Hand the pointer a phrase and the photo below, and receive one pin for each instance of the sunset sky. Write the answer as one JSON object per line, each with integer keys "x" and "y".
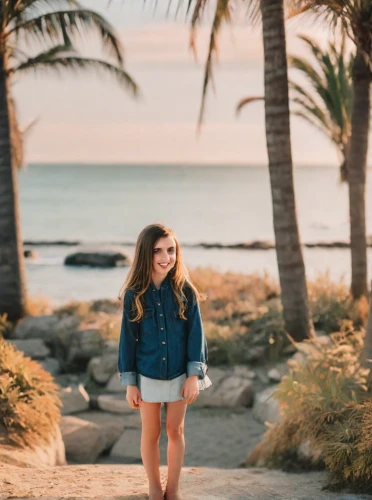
{"x": 84, "y": 119}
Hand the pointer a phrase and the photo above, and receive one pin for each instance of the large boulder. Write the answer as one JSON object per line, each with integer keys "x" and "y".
{"x": 115, "y": 403}
{"x": 46, "y": 454}
{"x": 231, "y": 392}
{"x": 34, "y": 348}
{"x": 106, "y": 258}
{"x": 102, "y": 368}
{"x": 74, "y": 399}
{"x": 115, "y": 385}
{"x": 84, "y": 441}
{"x": 111, "y": 426}
{"x": 47, "y": 327}
{"x": 128, "y": 447}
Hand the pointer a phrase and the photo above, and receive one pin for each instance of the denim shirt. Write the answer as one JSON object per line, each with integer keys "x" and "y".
{"x": 162, "y": 346}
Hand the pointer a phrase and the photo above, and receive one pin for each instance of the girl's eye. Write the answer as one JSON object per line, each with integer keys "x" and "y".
{"x": 171, "y": 250}
{"x": 156, "y": 250}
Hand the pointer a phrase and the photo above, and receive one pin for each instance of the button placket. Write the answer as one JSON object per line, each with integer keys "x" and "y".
{"x": 159, "y": 301}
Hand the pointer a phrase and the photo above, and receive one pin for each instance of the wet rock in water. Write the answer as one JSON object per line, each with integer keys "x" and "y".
{"x": 107, "y": 258}
{"x": 34, "y": 348}
{"x": 30, "y": 254}
{"x": 74, "y": 399}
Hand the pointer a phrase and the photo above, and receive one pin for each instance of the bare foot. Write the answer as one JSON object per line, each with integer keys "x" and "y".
{"x": 173, "y": 496}
{"x": 156, "y": 495}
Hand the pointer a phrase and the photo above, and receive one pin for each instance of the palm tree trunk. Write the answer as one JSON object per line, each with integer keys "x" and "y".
{"x": 12, "y": 272}
{"x": 357, "y": 166}
{"x": 288, "y": 247}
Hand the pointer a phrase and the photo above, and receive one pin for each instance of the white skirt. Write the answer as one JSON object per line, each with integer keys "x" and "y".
{"x": 166, "y": 391}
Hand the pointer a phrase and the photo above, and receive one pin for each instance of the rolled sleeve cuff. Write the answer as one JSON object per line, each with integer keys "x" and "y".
{"x": 196, "y": 368}
{"x": 128, "y": 378}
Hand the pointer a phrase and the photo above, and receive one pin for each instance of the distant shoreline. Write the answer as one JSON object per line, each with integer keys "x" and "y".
{"x": 250, "y": 245}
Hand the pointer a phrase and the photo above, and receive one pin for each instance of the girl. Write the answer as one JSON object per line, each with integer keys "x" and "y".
{"x": 163, "y": 352}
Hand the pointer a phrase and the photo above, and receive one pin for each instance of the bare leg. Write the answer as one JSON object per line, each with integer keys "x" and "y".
{"x": 176, "y": 447}
{"x": 151, "y": 430}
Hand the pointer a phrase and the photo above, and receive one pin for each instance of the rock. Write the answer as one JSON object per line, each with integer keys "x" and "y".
{"x": 111, "y": 426}
{"x": 128, "y": 447}
{"x": 102, "y": 368}
{"x": 115, "y": 385}
{"x": 244, "y": 372}
{"x": 108, "y": 258}
{"x": 324, "y": 340}
{"x": 216, "y": 375}
{"x": 51, "y": 365}
{"x": 47, "y": 327}
{"x": 34, "y": 348}
{"x": 115, "y": 403}
{"x": 266, "y": 407}
{"x": 106, "y": 305}
{"x": 256, "y": 353}
{"x": 84, "y": 441}
{"x": 47, "y": 454}
{"x": 74, "y": 399}
{"x": 87, "y": 341}
{"x": 274, "y": 375}
{"x": 231, "y": 392}
{"x": 30, "y": 254}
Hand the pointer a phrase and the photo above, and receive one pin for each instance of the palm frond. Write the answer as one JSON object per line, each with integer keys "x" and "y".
{"x": 65, "y": 25}
{"x": 247, "y": 100}
{"x": 222, "y": 14}
{"x": 55, "y": 61}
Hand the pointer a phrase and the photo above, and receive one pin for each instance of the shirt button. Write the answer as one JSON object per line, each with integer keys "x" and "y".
{"x": 158, "y": 303}
{"x": 161, "y": 328}
{"x": 160, "y": 315}
{"x": 163, "y": 342}
{"x": 163, "y": 359}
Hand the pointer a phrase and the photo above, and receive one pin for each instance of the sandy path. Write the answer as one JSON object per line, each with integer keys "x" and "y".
{"x": 128, "y": 482}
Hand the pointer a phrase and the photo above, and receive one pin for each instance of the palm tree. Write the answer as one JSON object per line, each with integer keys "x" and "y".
{"x": 291, "y": 267}
{"x": 50, "y": 27}
{"x": 355, "y": 16}
{"x": 327, "y": 104}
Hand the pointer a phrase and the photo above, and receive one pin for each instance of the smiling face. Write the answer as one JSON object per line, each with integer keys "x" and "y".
{"x": 164, "y": 257}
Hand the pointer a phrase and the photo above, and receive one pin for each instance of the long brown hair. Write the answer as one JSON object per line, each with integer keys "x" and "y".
{"x": 140, "y": 274}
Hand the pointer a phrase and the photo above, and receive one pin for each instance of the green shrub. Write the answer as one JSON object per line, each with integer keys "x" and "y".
{"x": 29, "y": 402}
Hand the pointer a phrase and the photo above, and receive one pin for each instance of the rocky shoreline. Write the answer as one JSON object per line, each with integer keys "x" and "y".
{"x": 249, "y": 245}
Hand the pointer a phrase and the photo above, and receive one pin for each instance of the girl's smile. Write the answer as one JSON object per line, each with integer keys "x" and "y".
{"x": 164, "y": 257}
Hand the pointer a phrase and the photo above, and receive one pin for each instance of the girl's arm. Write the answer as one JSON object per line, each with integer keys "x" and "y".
{"x": 128, "y": 344}
{"x": 197, "y": 350}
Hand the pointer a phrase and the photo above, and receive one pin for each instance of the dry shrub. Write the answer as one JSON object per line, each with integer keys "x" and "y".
{"x": 6, "y": 327}
{"x": 324, "y": 401}
{"x": 38, "y": 306}
{"x": 331, "y": 303}
{"x": 29, "y": 401}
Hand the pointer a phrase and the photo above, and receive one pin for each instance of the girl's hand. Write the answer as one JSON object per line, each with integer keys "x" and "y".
{"x": 134, "y": 397}
{"x": 190, "y": 389}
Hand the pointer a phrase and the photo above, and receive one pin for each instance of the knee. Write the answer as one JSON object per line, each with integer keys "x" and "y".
{"x": 175, "y": 433}
{"x": 152, "y": 437}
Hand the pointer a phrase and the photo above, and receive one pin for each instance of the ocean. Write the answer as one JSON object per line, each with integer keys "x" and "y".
{"x": 102, "y": 206}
